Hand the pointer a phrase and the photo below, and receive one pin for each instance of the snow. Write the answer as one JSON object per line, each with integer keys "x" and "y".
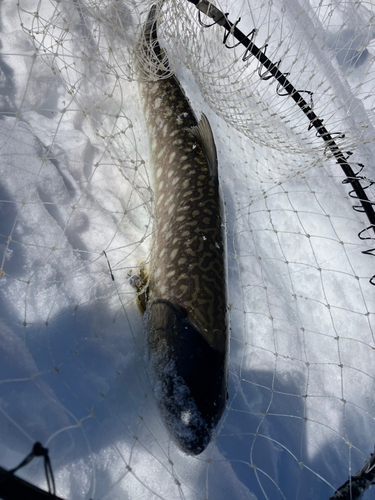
{"x": 75, "y": 182}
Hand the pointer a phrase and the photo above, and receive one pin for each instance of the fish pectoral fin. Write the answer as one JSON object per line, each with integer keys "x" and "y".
{"x": 139, "y": 283}
{"x": 203, "y": 133}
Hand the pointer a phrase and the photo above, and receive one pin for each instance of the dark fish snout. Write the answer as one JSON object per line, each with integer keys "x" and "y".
{"x": 190, "y": 377}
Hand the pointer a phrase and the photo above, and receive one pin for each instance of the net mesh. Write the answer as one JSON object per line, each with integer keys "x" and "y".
{"x": 76, "y": 197}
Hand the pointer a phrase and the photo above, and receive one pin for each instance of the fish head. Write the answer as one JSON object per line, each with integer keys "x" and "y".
{"x": 189, "y": 376}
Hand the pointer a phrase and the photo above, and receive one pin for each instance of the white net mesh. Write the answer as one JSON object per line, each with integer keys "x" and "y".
{"x": 75, "y": 182}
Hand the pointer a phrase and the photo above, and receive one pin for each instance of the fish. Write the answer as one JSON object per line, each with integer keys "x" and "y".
{"x": 186, "y": 306}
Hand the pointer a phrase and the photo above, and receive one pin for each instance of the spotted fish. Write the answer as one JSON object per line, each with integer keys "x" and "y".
{"x": 186, "y": 306}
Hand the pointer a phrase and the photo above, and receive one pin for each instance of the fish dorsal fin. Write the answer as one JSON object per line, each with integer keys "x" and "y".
{"x": 203, "y": 133}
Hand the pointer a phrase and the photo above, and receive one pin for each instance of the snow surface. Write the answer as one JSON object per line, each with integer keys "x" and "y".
{"x": 75, "y": 182}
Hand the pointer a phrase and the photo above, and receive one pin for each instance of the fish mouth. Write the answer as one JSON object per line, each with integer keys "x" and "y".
{"x": 189, "y": 376}
{"x": 182, "y": 418}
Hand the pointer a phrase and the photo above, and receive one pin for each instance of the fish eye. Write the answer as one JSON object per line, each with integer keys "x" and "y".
{"x": 186, "y": 417}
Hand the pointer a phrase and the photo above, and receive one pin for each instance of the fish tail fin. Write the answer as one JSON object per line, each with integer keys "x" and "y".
{"x": 152, "y": 56}
{"x": 150, "y": 27}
